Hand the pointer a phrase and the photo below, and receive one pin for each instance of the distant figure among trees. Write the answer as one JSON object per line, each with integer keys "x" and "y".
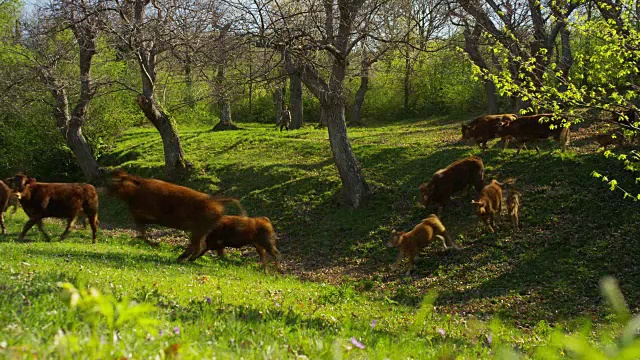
{"x": 285, "y": 121}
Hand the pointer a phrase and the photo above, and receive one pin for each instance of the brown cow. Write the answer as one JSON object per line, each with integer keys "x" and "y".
{"x": 239, "y": 231}
{"x": 455, "y": 177}
{"x": 5, "y": 194}
{"x": 529, "y": 128}
{"x": 513, "y": 208}
{"x": 489, "y": 202}
{"x": 158, "y": 202}
{"x": 58, "y": 200}
{"x": 485, "y": 128}
{"x": 410, "y": 243}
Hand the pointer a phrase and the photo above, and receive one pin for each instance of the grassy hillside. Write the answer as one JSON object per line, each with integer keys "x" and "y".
{"x": 574, "y": 232}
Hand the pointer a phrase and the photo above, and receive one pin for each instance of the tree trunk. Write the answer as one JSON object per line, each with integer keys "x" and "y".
{"x": 492, "y": 97}
{"x": 407, "y": 78}
{"x": 174, "y": 160}
{"x": 295, "y": 100}
{"x": 356, "y": 112}
{"x": 277, "y": 103}
{"x": 354, "y": 186}
{"x": 566, "y": 61}
{"x": 82, "y": 151}
{"x": 72, "y": 133}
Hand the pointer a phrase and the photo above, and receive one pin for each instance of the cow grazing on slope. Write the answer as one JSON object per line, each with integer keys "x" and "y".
{"x": 410, "y": 243}
{"x": 485, "y": 128}
{"x": 455, "y": 177}
{"x": 158, "y": 202}
{"x": 530, "y": 128}
{"x": 57, "y": 200}
{"x": 489, "y": 202}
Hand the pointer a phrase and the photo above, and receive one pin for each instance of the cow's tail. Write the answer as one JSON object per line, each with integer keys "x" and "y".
{"x": 227, "y": 200}
{"x": 509, "y": 181}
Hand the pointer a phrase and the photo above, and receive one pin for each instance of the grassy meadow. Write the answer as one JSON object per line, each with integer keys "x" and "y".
{"x": 505, "y": 295}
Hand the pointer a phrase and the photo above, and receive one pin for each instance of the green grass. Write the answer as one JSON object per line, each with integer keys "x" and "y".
{"x": 545, "y": 277}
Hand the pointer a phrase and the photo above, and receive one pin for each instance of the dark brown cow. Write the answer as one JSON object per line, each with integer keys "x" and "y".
{"x": 58, "y": 200}
{"x": 489, "y": 202}
{"x": 529, "y": 128}
{"x": 410, "y": 243}
{"x": 239, "y": 231}
{"x": 5, "y": 194}
{"x": 455, "y": 177}
{"x": 158, "y": 202}
{"x": 485, "y": 128}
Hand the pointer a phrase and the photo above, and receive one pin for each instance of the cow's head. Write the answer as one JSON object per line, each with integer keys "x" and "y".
{"x": 426, "y": 192}
{"x": 479, "y": 206}
{"x": 396, "y": 239}
{"x": 120, "y": 183}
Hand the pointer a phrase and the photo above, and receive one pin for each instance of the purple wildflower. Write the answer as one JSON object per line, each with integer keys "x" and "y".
{"x": 176, "y": 330}
{"x": 208, "y": 299}
{"x": 442, "y": 332}
{"x": 357, "y": 343}
{"x": 160, "y": 332}
{"x": 373, "y": 323}
{"x": 490, "y": 338}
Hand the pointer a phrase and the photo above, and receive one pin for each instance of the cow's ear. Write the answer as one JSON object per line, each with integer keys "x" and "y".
{"x": 31, "y": 181}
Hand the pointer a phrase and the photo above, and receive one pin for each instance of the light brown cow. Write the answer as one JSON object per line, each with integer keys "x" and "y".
{"x": 489, "y": 202}
{"x": 410, "y": 243}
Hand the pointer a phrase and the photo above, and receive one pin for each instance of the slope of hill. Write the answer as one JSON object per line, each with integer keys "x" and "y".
{"x": 339, "y": 281}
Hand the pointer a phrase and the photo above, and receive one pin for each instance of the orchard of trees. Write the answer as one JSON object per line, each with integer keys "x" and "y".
{"x": 75, "y": 74}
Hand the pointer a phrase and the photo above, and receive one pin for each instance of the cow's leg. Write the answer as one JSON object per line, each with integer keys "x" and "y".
{"x": 41, "y": 228}
{"x": 276, "y": 257}
{"x": 92, "y": 219}
{"x": 27, "y": 226}
{"x": 411, "y": 260}
{"x": 70, "y": 221}
{"x": 198, "y": 243}
{"x": 4, "y": 229}
{"x": 263, "y": 257}
{"x": 398, "y": 260}
{"x": 142, "y": 233}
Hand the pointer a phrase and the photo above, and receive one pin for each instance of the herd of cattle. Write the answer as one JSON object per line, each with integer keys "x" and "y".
{"x": 156, "y": 202}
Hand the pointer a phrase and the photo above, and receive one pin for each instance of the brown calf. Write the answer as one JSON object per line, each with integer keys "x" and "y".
{"x": 158, "y": 202}
{"x": 58, "y": 200}
{"x": 485, "y": 128}
{"x": 410, "y": 243}
{"x": 239, "y": 231}
{"x": 529, "y": 128}
{"x": 489, "y": 202}
{"x": 455, "y": 177}
{"x": 513, "y": 207}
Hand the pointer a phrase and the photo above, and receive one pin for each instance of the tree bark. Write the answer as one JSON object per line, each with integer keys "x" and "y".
{"x": 492, "y": 97}
{"x": 407, "y": 79}
{"x": 146, "y": 52}
{"x": 295, "y": 100}
{"x": 354, "y": 185}
{"x": 277, "y": 103}
{"x": 173, "y": 154}
{"x": 356, "y": 112}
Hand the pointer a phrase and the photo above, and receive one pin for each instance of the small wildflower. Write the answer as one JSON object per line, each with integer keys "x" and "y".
{"x": 490, "y": 338}
{"x": 442, "y": 332}
{"x": 160, "y": 332}
{"x": 373, "y": 323}
{"x": 357, "y": 343}
{"x": 208, "y": 299}
{"x": 176, "y": 330}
